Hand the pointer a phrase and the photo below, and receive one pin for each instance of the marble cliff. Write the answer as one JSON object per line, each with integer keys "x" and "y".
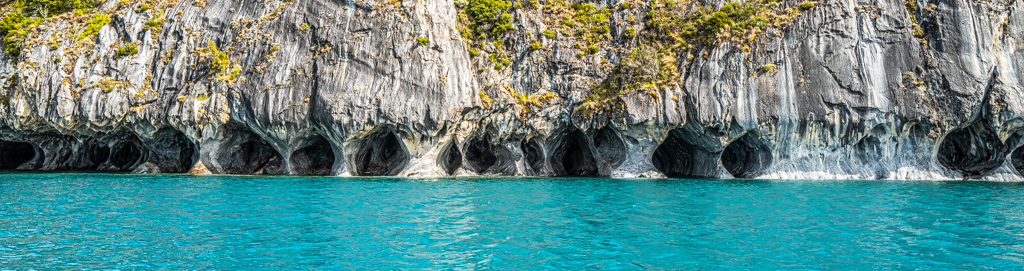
{"x": 622, "y": 88}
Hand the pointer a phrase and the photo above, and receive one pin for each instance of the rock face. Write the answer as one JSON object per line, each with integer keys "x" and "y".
{"x": 846, "y": 89}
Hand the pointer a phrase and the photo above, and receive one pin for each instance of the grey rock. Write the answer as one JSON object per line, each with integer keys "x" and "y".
{"x": 343, "y": 88}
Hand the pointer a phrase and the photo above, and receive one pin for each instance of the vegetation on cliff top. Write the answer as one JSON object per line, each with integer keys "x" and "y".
{"x": 669, "y": 34}
{"x": 21, "y": 16}
{"x": 673, "y": 31}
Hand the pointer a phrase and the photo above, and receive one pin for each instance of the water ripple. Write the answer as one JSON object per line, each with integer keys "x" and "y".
{"x": 179, "y": 222}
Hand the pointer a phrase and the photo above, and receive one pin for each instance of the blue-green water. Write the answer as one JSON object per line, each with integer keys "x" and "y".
{"x": 79, "y": 221}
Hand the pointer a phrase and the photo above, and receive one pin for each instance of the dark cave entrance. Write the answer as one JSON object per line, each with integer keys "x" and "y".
{"x": 382, "y": 154}
{"x": 480, "y": 154}
{"x": 317, "y": 159}
{"x": 973, "y": 150}
{"x": 14, "y": 154}
{"x": 571, "y": 155}
{"x": 484, "y": 157}
{"x": 1017, "y": 159}
{"x": 100, "y": 155}
{"x": 173, "y": 151}
{"x": 686, "y": 154}
{"x": 450, "y": 158}
{"x": 747, "y": 157}
{"x": 124, "y": 156}
{"x": 247, "y": 153}
{"x": 533, "y": 154}
{"x": 610, "y": 146}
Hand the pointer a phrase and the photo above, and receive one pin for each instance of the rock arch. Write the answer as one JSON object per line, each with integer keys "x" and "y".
{"x": 1017, "y": 159}
{"x": 450, "y": 158}
{"x": 533, "y": 154}
{"x": 485, "y": 157}
{"x": 244, "y": 152}
{"x": 973, "y": 150}
{"x": 870, "y": 150}
{"x": 315, "y": 159}
{"x": 14, "y": 154}
{"x": 480, "y": 154}
{"x": 171, "y": 151}
{"x": 124, "y": 155}
{"x": 747, "y": 157}
{"x": 610, "y": 146}
{"x": 571, "y": 155}
{"x": 687, "y": 154}
{"x": 100, "y": 155}
{"x": 382, "y": 153}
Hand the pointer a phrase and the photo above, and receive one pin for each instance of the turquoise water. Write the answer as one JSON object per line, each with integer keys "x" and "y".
{"x": 80, "y": 221}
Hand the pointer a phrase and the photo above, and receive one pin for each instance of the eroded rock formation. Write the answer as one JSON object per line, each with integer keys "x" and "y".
{"x": 825, "y": 89}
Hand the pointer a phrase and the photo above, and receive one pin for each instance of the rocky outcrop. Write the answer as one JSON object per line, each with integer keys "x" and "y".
{"x": 844, "y": 89}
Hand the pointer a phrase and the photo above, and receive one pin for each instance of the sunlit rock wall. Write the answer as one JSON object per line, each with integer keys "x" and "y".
{"x": 346, "y": 88}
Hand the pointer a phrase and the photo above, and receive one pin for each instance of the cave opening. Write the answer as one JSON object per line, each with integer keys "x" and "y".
{"x": 124, "y": 155}
{"x": 14, "y": 154}
{"x": 610, "y": 146}
{"x": 870, "y": 151}
{"x": 747, "y": 157}
{"x": 250, "y": 156}
{"x": 101, "y": 154}
{"x": 571, "y": 155}
{"x": 1017, "y": 159}
{"x": 533, "y": 154}
{"x": 247, "y": 153}
{"x": 317, "y": 159}
{"x": 480, "y": 155}
{"x": 450, "y": 158}
{"x": 382, "y": 154}
{"x": 686, "y": 154}
{"x": 90, "y": 155}
{"x": 973, "y": 150}
{"x": 171, "y": 151}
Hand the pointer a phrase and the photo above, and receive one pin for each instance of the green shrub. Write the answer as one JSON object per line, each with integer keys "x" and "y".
{"x": 672, "y": 29}
{"x": 221, "y": 66}
{"x": 93, "y": 26}
{"x": 548, "y": 33}
{"x": 806, "y": 5}
{"x": 483, "y": 97}
{"x": 24, "y": 15}
{"x": 15, "y": 27}
{"x": 423, "y": 41}
{"x": 489, "y": 17}
{"x": 534, "y": 46}
{"x": 143, "y": 7}
{"x": 127, "y": 50}
{"x": 156, "y": 23}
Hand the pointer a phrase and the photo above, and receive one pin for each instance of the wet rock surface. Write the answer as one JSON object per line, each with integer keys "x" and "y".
{"x": 393, "y": 88}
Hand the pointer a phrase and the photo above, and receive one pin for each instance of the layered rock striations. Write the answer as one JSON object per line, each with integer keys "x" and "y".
{"x": 829, "y": 89}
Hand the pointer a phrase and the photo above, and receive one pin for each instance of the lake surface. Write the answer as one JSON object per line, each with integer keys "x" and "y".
{"x": 95, "y": 221}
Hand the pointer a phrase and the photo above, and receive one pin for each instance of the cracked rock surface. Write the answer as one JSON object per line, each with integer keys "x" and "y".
{"x": 847, "y": 89}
